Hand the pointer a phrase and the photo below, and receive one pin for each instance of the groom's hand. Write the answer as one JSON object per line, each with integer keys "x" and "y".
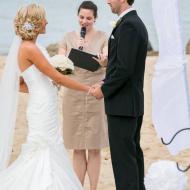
{"x": 96, "y": 91}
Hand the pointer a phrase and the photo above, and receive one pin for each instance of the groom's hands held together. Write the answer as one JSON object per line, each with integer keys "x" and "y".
{"x": 96, "y": 91}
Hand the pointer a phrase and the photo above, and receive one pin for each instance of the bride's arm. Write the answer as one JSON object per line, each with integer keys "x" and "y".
{"x": 23, "y": 86}
{"x": 36, "y": 57}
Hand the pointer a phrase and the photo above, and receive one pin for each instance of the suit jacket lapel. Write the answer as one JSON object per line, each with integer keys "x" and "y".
{"x": 122, "y": 19}
{"x": 119, "y": 22}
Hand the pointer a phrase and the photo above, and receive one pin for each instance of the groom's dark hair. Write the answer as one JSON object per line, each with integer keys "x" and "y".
{"x": 89, "y": 5}
{"x": 130, "y": 2}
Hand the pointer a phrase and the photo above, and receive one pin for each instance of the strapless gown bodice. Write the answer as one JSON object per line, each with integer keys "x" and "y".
{"x": 42, "y": 111}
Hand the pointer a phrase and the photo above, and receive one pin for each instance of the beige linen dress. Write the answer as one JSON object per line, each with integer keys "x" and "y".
{"x": 84, "y": 120}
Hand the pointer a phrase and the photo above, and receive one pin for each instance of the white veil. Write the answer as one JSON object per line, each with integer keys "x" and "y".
{"x": 9, "y": 88}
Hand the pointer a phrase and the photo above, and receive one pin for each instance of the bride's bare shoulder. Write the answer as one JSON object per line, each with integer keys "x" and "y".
{"x": 29, "y": 50}
{"x": 28, "y": 46}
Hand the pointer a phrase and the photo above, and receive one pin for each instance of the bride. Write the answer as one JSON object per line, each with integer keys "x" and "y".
{"x": 43, "y": 163}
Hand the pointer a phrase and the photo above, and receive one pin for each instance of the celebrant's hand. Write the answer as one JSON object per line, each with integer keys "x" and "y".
{"x": 102, "y": 59}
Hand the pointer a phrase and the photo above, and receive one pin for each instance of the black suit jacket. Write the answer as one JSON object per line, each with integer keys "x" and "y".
{"x": 123, "y": 84}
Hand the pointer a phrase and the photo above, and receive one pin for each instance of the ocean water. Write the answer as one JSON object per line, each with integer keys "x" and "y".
{"x": 62, "y": 17}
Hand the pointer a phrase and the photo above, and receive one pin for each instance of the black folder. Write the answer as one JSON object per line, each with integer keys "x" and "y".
{"x": 84, "y": 60}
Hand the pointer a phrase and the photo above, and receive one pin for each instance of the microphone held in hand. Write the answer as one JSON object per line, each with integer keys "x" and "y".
{"x": 82, "y": 35}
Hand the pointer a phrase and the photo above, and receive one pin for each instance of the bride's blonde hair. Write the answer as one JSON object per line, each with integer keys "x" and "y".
{"x": 28, "y": 21}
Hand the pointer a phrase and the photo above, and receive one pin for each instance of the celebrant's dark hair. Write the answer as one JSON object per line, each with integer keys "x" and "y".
{"x": 89, "y": 5}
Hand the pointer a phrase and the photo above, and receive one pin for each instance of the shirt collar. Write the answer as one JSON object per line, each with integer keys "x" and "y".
{"x": 125, "y": 12}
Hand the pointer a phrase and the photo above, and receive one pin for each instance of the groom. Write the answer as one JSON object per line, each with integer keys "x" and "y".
{"x": 123, "y": 93}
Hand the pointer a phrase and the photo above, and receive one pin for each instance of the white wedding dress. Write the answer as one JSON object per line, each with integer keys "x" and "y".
{"x": 43, "y": 163}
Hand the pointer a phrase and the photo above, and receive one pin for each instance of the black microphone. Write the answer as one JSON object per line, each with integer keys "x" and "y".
{"x": 82, "y": 35}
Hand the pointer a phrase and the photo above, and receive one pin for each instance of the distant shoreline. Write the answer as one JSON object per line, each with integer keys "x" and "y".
{"x": 53, "y": 49}
{"x": 149, "y": 53}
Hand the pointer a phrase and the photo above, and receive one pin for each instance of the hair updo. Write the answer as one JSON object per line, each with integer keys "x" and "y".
{"x": 28, "y": 21}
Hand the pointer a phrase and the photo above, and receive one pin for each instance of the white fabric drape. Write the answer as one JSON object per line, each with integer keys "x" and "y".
{"x": 9, "y": 88}
{"x": 170, "y": 96}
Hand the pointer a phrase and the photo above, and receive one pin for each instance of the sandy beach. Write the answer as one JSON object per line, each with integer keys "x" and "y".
{"x": 153, "y": 149}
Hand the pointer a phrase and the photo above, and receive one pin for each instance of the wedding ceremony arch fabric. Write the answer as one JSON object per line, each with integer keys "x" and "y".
{"x": 170, "y": 93}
